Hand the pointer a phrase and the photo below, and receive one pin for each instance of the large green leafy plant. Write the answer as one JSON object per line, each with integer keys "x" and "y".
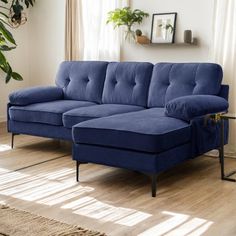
{"x": 126, "y": 17}
{"x": 11, "y": 16}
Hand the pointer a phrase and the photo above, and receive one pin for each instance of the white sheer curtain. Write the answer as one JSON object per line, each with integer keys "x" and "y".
{"x": 224, "y": 50}
{"x": 99, "y": 41}
{"x": 224, "y": 43}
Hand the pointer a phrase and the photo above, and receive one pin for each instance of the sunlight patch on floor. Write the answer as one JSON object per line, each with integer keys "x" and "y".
{"x": 179, "y": 225}
{"x": 65, "y": 195}
{"x": 201, "y": 230}
{"x": 11, "y": 178}
{"x": 90, "y": 207}
{"x": 44, "y": 188}
{"x": 3, "y": 171}
{"x": 57, "y": 187}
{"x": 2, "y": 202}
{"x": 56, "y": 175}
{"x": 4, "y": 148}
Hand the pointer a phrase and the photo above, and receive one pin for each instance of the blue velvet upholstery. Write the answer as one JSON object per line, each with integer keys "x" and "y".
{"x": 28, "y": 96}
{"x": 206, "y": 135}
{"x": 127, "y": 83}
{"x": 133, "y": 160}
{"x": 78, "y": 115}
{"x": 41, "y": 130}
{"x": 224, "y": 92}
{"x": 148, "y": 130}
{"x": 173, "y": 80}
{"x": 82, "y": 80}
{"x": 189, "y": 107}
{"x": 45, "y": 113}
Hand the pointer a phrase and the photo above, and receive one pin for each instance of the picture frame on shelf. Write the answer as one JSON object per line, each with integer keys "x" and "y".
{"x": 163, "y": 27}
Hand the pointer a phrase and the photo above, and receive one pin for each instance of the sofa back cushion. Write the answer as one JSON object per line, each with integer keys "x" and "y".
{"x": 127, "y": 83}
{"x": 82, "y": 81}
{"x": 173, "y": 80}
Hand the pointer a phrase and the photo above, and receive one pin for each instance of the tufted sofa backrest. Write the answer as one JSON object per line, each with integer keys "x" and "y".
{"x": 82, "y": 80}
{"x": 137, "y": 83}
{"x": 172, "y": 80}
{"x": 127, "y": 83}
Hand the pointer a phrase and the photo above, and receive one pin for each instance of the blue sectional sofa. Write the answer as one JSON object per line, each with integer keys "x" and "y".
{"x": 132, "y": 115}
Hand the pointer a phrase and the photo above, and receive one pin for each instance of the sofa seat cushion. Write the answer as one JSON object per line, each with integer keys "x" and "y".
{"x": 45, "y": 113}
{"x": 78, "y": 115}
{"x": 148, "y": 131}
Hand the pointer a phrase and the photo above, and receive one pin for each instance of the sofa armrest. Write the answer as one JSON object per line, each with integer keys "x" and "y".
{"x": 189, "y": 107}
{"x": 35, "y": 95}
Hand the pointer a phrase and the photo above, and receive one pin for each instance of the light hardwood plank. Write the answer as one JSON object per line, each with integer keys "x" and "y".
{"x": 3, "y": 127}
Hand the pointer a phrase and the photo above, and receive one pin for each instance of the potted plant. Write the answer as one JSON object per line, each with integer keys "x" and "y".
{"x": 11, "y": 16}
{"x": 126, "y": 17}
{"x": 140, "y": 38}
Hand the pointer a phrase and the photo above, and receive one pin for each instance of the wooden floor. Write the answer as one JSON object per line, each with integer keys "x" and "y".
{"x": 191, "y": 199}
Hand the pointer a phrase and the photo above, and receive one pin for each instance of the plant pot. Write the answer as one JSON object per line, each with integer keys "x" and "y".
{"x": 142, "y": 39}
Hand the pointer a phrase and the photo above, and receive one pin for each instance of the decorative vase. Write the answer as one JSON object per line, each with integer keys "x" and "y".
{"x": 129, "y": 35}
{"x": 188, "y": 36}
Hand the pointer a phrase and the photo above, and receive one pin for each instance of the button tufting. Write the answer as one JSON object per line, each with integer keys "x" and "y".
{"x": 68, "y": 80}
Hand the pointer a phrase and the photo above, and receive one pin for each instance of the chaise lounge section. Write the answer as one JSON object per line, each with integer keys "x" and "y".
{"x": 132, "y": 115}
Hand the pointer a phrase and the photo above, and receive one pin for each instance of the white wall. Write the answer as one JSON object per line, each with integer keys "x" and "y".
{"x": 40, "y": 49}
{"x": 46, "y": 26}
{"x": 19, "y": 60}
{"x": 191, "y": 15}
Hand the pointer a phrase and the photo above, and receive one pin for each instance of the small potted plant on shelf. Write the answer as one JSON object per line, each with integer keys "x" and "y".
{"x": 126, "y": 17}
{"x": 140, "y": 38}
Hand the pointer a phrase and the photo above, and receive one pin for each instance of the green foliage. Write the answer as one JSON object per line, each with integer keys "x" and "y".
{"x": 126, "y": 17}
{"x": 167, "y": 27}
{"x": 9, "y": 14}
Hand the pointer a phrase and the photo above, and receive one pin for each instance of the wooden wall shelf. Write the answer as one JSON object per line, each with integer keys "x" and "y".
{"x": 143, "y": 40}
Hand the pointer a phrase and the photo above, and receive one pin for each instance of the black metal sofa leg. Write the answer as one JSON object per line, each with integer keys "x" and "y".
{"x": 219, "y": 150}
{"x": 12, "y": 140}
{"x": 154, "y": 185}
{"x": 78, "y": 163}
{"x": 77, "y": 171}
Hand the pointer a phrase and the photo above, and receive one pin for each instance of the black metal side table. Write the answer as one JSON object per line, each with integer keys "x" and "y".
{"x": 227, "y": 177}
